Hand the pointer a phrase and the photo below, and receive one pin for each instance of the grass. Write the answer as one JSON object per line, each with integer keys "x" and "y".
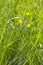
{"x": 21, "y": 32}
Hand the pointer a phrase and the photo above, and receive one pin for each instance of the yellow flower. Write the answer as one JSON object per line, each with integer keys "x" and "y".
{"x": 27, "y": 14}
{"x": 28, "y": 25}
{"x": 20, "y": 21}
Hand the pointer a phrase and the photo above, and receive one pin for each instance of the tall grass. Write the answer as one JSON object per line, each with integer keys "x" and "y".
{"x": 21, "y": 32}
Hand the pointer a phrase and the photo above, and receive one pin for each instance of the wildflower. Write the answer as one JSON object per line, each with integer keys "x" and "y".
{"x": 27, "y": 14}
{"x": 20, "y": 21}
{"x": 28, "y": 25}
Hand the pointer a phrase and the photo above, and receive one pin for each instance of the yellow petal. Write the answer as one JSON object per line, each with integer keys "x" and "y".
{"x": 27, "y": 14}
{"x": 20, "y": 21}
{"x": 28, "y": 25}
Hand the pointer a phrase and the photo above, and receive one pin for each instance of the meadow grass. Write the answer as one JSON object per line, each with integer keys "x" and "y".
{"x": 21, "y": 32}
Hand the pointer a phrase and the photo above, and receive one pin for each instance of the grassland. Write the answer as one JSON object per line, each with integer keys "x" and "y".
{"x": 21, "y": 32}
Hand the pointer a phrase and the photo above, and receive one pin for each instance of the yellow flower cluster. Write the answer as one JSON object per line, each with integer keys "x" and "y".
{"x": 20, "y": 21}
